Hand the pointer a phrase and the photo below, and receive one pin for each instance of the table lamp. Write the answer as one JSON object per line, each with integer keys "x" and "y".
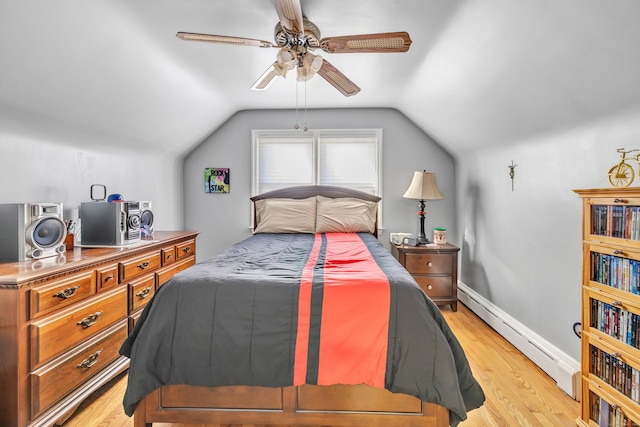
{"x": 423, "y": 187}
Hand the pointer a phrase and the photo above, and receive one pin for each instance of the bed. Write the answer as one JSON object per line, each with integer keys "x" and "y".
{"x": 308, "y": 322}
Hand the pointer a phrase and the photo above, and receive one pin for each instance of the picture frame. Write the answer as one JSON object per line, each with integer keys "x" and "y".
{"x": 217, "y": 180}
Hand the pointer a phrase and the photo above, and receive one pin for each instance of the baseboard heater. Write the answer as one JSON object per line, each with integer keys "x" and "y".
{"x": 557, "y": 364}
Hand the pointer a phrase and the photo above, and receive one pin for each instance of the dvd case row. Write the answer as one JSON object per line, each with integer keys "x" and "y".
{"x": 616, "y": 221}
{"x": 617, "y": 272}
{"x": 616, "y": 322}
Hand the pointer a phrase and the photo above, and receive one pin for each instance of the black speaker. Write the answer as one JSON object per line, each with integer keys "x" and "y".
{"x": 146, "y": 219}
{"x": 31, "y": 231}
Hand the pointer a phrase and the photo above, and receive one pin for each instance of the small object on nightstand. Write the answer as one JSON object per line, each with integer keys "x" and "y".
{"x": 435, "y": 269}
{"x": 440, "y": 236}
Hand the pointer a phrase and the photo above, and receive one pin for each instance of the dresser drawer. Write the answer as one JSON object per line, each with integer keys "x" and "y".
{"x": 107, "y": 277}
{"x": 436, "y": 286}
{"x": 138, "y": 266}
{"x": 185, "y": 249}
{"x": 141, "y": 291}
{"x": 53, "y": 335}
{"x": 54, "y": 380}
{"x": 45, "y": 299}
{"x": 168, "y": 255}
{"x": 167, "y": 273}
{"x": 429, "y": 263}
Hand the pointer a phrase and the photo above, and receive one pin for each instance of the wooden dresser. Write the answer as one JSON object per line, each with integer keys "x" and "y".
{"x": 63, "y": 319}
{"x": 435, "y": 268}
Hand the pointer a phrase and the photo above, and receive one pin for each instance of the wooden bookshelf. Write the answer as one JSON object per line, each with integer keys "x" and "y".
{"x": 610, "y": 307}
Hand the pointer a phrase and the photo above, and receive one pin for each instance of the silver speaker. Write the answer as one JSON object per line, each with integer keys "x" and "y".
{"x": 31, "y": 231}
{"x": 146, "y": 219}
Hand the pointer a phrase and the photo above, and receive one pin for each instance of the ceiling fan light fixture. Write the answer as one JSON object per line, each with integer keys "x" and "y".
{"x": 287, "y": 58}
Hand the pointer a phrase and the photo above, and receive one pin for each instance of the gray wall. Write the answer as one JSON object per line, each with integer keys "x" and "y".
{"x": 522, "y": 250}
{"x": 224, "y": 219}
{"x": 36, "y": 169}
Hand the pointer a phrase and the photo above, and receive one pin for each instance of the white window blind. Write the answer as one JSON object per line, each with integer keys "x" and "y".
{"x": 347, "y": 158}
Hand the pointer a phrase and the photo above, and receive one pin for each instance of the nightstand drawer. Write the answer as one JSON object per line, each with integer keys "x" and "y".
{"x": 437, "y": 286}
{"x": 429, "y": 263}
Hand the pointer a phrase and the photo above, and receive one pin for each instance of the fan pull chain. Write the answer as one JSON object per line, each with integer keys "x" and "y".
{"x": 296, "y": 126}
{"x": 305, "y": 128}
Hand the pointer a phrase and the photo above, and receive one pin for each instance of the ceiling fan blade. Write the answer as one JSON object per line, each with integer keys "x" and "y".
{"x": 337, "y": 79}
{"x": 223, "y": 39}
{"x": 266, "y": 79}
{"x": 290, "y": 13}
{"x": 380, "y": 42}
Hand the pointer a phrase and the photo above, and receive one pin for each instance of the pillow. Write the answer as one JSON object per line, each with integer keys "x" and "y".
{"x": 285, "y": 215}
{"x": 345, "y": 215}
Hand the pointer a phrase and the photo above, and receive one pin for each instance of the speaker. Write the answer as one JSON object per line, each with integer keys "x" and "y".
{"x": 146, "y": 219}
{"x": 31, "y": 231}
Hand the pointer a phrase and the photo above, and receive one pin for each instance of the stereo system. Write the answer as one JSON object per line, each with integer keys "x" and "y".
{"x": 109, "y": 223}
{"x": 31, "y": 231}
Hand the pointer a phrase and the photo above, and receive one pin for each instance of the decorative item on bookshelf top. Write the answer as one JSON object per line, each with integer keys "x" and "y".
{"x": 622, "y": 174}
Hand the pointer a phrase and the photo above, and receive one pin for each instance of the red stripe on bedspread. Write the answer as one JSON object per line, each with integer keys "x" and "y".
{"x": 304, "y": 313}
{"x": 355, "y": 315}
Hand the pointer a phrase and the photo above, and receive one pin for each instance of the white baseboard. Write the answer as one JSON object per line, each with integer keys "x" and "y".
{"x": 557, "y": 364}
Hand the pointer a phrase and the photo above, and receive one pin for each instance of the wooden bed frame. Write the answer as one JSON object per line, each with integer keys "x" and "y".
{"x": 306, "y": 405}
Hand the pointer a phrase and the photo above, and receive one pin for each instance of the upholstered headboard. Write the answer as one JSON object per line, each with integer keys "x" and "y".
{"x": 302, "y": 199}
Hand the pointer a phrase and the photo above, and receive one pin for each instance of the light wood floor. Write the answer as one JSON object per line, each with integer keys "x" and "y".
{"x": 518, "y": 392}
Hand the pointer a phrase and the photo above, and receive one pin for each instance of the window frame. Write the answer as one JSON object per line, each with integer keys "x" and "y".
{"x": 316, "y": 135}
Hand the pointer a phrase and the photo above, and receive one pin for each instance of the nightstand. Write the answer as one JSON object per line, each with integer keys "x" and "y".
{"x": 435, "y": 268}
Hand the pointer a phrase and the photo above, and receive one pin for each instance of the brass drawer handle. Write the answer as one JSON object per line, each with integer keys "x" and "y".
{"x": 144, "y": 293}
{"x": 616, "y": 355}
{"x": 90, "y": 320}
{"x": 109, "y": 277}
{"x": 616, "y": 303}
{"x": 67, "y": 293}
{"x": 619, "y": 201}
{"x": 186, "y": 250}
{"x": 618, "y": 252}
{"x": 143, "y": 265}
{"x": 90, "y": 361}
{"x": 169, "y": 256}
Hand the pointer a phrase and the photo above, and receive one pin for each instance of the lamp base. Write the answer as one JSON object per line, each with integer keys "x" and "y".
{"x": 422, "y": 240}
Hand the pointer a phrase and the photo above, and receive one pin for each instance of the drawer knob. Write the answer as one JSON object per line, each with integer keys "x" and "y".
{"x": 187, "y": 249}
{"x": 169, "y": 256}
{"x": 90, "y": 361}
{"x": 67, "y": 293}
{"x": 109, "y": 278}
{"x": 429, "y": 264}
{"x": 143, "y": 265}
{"x": 144, "y": 293}
{"x": 90, "y": 320}
{"x": 430, "y": 287}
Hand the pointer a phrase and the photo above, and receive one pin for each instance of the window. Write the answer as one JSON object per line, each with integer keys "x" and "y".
{"x": 346, "y": 158}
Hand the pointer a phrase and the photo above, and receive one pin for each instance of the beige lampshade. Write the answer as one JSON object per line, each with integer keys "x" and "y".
{"x": 423, "y": 187}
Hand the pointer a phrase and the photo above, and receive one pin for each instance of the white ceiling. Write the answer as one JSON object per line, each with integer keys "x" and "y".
{"x": 478, "y": 72}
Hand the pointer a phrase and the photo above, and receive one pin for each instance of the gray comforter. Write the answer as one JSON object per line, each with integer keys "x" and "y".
{"x": 234, "y": 320}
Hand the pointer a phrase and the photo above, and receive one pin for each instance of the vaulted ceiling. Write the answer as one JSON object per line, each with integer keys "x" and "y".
{"x": 478, "y": 72}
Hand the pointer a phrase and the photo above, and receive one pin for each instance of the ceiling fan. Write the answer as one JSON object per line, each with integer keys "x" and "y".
{"x": 296, "y": 38}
